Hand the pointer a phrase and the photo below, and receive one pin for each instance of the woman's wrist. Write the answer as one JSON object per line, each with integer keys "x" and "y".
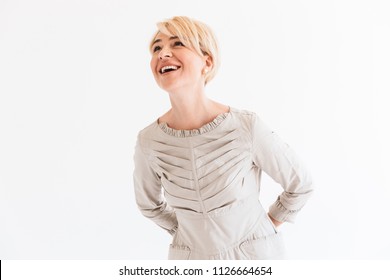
{"x": 275, "y": 222}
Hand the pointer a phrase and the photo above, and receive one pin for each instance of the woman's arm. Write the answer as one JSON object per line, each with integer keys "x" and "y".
{"x": 148, "y": 192}
{"x": 281, "y": 163}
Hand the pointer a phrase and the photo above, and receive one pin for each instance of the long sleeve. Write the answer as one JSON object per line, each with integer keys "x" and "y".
{"x": 148, "y": 192}
{"x": 280, "y": 162}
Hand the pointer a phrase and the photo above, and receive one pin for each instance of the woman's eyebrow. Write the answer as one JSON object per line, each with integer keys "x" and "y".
{"x": 170, "y": 38}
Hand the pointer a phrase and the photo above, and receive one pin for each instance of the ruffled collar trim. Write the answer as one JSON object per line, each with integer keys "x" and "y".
{"x": 194, "y": 132}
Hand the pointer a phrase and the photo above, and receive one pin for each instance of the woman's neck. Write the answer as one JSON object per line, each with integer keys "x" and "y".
{"x": 191, "y": 110}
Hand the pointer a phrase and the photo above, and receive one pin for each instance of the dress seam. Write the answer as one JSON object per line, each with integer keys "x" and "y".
{"x": 196, "y": 181}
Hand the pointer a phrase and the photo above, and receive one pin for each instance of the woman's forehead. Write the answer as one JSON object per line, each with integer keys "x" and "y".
{"x": 161, "y": 35}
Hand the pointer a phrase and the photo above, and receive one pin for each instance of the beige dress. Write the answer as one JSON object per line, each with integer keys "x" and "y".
{"x": 203, "y": 186}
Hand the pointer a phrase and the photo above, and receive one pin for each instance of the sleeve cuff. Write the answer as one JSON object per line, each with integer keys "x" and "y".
{"x": 173, "y": 230}
{"x": 281, "y": 213}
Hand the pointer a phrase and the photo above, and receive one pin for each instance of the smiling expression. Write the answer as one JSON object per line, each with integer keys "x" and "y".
{"x": 174, "y": 65}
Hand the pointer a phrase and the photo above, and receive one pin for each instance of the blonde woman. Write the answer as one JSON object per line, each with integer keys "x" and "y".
{"x": 198, "y": 166}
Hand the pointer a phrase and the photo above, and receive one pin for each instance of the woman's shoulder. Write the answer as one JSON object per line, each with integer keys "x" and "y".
{"x": 148, "y": 131}
{"x": 243, "y": 115}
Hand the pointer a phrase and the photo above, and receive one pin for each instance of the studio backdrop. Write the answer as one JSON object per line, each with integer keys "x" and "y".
{"x": 76, "y": 88}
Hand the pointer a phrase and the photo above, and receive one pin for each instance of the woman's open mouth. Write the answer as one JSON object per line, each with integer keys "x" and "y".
{"x": 168, "y": 68}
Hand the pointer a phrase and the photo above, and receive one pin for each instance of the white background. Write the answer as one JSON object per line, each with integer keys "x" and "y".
{"x": 76, "y": 88}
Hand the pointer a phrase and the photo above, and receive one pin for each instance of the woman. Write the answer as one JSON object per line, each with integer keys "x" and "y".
{"x": 198, "y": 167}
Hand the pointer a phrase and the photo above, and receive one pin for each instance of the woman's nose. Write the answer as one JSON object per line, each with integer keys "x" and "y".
{"x": 165, "y": 53}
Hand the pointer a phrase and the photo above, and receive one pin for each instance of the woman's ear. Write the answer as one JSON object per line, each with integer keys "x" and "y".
{"x": 208, "y": 64}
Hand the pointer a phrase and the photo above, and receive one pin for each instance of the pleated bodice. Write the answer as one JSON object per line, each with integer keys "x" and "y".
{"x": 202, "y": 172}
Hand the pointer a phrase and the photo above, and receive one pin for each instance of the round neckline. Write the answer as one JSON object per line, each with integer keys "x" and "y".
{"x": 208, "y": 127}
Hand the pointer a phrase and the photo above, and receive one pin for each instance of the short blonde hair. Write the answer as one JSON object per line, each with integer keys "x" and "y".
{"x": 194, "y": 34}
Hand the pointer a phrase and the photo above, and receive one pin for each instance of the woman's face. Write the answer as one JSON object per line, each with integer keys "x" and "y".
{"x": 176, "y": 66}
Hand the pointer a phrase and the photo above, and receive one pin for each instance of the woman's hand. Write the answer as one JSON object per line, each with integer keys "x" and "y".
{"x": 275, "y": 222}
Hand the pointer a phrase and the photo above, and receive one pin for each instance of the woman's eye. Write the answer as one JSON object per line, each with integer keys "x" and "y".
{"x": 156, "y": 48}
{"x": 178, "y": 43}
